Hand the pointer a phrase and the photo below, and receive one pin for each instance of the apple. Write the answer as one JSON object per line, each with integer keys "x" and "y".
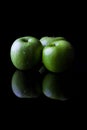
{"x": 26, "y": 84}
{"x": 47, "y": 40}
{"x": 26, "y": 52}
{"x": 58, "y": 56}
{"x": 52, "y": 87}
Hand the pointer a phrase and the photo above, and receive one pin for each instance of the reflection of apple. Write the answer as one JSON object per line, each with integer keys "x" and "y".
{"x": 26, "y": 52}
{"x": 58, "y": 56}
{"x": 52, "y": 87}
{"x": 26, "y": 85}
{"x": 47, "y": 40}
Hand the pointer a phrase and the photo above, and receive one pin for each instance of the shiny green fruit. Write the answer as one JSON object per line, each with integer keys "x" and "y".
{"x": 26, "y": 52}
{"x": 47, "y": 40}
{"x": 58, "y": 56}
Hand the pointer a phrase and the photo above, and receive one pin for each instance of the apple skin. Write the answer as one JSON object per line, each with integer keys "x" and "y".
{"x": 26, "y": 84}
{"x": 26, "y": 52}
{"x": 47, "y": 40}
{"x": 52, "y": 87}
{"x": 58, "y": 56}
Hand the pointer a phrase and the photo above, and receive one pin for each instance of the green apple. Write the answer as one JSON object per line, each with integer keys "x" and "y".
{"x": 52, "y": 87}
{"x": 47, "y": 40}
{"x": 26, "y": 84}
{"x": 58, "y": 56}
{"x": 26, "y": 52}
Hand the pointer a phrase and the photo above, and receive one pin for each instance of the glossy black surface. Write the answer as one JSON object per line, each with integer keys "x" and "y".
{"x": 70, "y": 82}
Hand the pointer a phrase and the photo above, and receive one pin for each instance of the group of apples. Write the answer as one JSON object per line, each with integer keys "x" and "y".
{"x": 55, "y": 53}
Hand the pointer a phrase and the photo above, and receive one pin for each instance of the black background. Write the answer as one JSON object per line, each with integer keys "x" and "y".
{"x": 37, "y": 21}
